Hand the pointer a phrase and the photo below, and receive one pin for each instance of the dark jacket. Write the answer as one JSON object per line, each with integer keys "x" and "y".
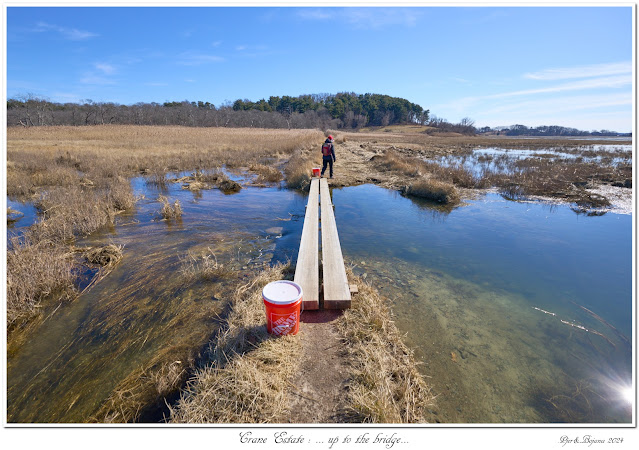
{"x": 332, "y": 155}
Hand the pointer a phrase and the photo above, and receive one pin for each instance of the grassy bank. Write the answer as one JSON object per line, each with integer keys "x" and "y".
{"x": 248, "y": 378}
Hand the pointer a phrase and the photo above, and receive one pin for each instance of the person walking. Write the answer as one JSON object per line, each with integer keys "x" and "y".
{"x": 328, "y": 155}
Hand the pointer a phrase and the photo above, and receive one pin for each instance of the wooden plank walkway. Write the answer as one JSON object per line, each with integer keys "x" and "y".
{"x": 337, "y": 293}
{"x": 307, "y": 269}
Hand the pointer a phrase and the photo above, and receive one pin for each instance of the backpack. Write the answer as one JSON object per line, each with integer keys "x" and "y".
{"x": 326, "y": 149}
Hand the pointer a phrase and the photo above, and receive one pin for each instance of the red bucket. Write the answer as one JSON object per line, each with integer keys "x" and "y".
{"x": 282, "y": 300}
{"x": 316, "y": 171}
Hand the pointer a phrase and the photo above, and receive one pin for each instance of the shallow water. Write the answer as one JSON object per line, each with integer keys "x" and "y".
{"x": 501, "y": 161}
{"x": 489, "y": 296}
{"x": 28, "y": 216}
{"x": 79, "y": 355}
{"x": 475, "y": 289}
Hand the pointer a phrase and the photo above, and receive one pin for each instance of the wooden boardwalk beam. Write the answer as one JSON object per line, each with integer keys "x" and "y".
{"x": 307, "y": 268}
{"x": 337, "y": 293}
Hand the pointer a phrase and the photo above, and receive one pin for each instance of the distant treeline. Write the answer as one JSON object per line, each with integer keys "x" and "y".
{"x": 344, "y": 110}
{"x": 546, "y": 130}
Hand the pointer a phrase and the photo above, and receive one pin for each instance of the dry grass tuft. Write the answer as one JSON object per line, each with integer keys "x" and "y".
{"x": 13, "y": 215}
{"x": 299, "y": 169}
{"x": 266, "y": 174}
{"x": 105, "y": 256}
{"x": 437, "y": 191}
{"x": 247, "y": 379}
{"x": 36, "y": 271}
{"x": 227, "y": 185}
{"x": 170, "y": 210}
{"x": 385, "y": 385}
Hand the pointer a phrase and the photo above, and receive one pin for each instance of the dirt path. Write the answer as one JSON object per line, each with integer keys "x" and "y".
{"x": 353, "y": 165}
{"x": 319, "y": 386}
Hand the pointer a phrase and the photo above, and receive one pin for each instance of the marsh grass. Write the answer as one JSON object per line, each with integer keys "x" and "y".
{"x": 13, "y": 215}
{"x": 169, "y": 210}
{"x": 385, "y": 385}
{"x": 78, "y": 177}
{"x": 433, "y": 190}
{"x": 37, "y": 270}
{"x": 247, "y": 378}
{"x": 299, "y": 169}
{"x": 428, "y": 180}
{"x": 266, "y": 174}
{"x": 106, "y": 256}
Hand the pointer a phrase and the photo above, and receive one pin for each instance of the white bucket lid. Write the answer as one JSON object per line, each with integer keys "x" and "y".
{"x": 282, "y": 292}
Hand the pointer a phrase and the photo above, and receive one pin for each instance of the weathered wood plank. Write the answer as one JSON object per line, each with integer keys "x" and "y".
{"x": 307, "y": 268}
{"x": 337, "y": 293}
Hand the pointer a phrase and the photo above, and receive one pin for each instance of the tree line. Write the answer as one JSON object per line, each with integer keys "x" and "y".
{"x": 547, "y": 130}
{"x": 343, "y": 110}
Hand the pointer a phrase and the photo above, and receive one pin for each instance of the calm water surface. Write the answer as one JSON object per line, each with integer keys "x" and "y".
{"x": 520, "y": 313}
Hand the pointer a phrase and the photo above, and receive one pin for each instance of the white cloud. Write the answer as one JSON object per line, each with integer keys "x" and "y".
{"x": 594, "y": 70}
{"x": 594, "y": 83}
{"x": 156, "y": 84}
{"x": 563, "y": 104}
{"x": 107, "y": 69}
{"x": 72, "y": 34}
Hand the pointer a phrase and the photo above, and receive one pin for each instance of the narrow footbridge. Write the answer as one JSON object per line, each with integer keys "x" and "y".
{"x": 335, "y": 288}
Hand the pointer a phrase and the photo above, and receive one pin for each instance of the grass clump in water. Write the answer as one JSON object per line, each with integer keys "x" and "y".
{"x": 13, "y": 215}
{"x": 105, "y": 256}
{"x": 247, "y": 378}
{"x": 385, "y": 385}
{"x": 170, "y": 210}
{"x": 437, "y": 191}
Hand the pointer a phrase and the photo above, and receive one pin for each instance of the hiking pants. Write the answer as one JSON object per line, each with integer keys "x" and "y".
{"x": 327, "y": 160}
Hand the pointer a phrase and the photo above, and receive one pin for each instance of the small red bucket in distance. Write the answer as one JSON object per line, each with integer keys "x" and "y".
{"x": 316, "y": 171}
{"x": 282, "y": 300}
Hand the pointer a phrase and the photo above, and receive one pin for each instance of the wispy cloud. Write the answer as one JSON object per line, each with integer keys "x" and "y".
{"x": 72, "y": 34}
{"x": 107, "y": 69}
{"x": 594, "y": 83}
{"x": 193, "y": 58}
{"x": 594, "y": 70}
{"x": 156, "y": 84}
{"x": 563, "y": 104}
{"x": 364, "y": 18}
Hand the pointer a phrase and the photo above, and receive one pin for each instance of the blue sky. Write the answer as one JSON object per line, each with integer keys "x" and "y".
{"x": 569, "y": 66}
